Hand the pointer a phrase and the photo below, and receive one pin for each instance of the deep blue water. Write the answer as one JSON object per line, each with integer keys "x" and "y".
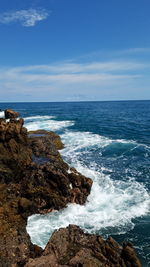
{"x": 109, "y": 142}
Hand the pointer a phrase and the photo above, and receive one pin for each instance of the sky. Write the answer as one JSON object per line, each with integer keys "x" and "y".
{"x": 74, "y": 50}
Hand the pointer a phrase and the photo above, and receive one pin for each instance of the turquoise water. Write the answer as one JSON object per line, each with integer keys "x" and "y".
{"x": 109, "y": 142}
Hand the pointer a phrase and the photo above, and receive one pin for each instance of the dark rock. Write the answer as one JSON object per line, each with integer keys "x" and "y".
{"x": 51, "y": 187}
{"x": 10, "y": 114}
{"x": 27, "y": 188}
{"x": 24, "y": 204}
{"x": 53, "y": 137}
{"x": 15, "y": 153}
{"x": 128, "y": 254}
{"x": 72, "y": 247}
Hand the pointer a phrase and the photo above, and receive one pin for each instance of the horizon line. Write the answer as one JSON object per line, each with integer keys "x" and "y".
{"x": 75, "y": 101}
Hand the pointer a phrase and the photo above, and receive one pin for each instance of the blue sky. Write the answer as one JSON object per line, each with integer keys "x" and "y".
{"x": 67, "y": 50}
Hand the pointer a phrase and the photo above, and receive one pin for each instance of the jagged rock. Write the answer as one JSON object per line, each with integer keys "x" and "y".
{"x": 11, "y": 114}
{"x": 15, "y": 152}
{"x": 72, "y": 247}
{"x": 28, "y": 187}
{"x": 49, "y": 186}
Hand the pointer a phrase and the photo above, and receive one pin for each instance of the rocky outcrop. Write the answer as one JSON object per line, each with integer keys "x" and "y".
{"x": 72, "y": 247}
{"x": 11, "y": 114}
{"x": 35, "y": 179}
{"x": 15, "y": 154}
{"x": 50, "y": 138}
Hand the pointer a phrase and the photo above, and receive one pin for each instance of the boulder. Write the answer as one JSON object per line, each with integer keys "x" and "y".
{"x": 11, "y": 114}
{"x": 72, "y": 247}
{"x": 43, "y": 134}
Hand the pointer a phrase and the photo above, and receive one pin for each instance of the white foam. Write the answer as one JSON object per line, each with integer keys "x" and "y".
{"x": 111, "y": 204}
{"x": 79, "y": 140}
{"x": 80, "y": 143}
{"x": 39, "y": 118}
{"x": 46, "y": 122}
{"x": 77, "y": 144}
{"x": 2, "y": 114}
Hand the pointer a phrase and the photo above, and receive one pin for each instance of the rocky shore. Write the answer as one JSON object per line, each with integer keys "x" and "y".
{"x": 35, "y": 179}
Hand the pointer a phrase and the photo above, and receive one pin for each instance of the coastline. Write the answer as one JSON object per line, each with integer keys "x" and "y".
{"x": 29, "y": 187}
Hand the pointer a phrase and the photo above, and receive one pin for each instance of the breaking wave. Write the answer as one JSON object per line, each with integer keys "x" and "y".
{"x": 112, "y": 204}
{"x": 46, "y": 122}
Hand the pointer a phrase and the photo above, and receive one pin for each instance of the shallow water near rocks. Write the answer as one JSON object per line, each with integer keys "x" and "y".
{"x": 109, "y": 142}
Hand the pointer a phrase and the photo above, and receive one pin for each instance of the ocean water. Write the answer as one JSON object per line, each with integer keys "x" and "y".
{"x": 110, "y": 143}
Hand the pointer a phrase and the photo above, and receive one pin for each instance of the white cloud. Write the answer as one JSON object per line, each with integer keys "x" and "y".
{"x": 96, "y": 72}
{"x": 76, "y": 68}
{"x": 63, "y": 80}
{"x": 27, "y": 18}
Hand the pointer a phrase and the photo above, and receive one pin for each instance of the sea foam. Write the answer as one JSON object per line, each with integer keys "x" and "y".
{"x": 2, "y": 114}
{"x": 46, "y": 122}
{"x": 112, "y": 204}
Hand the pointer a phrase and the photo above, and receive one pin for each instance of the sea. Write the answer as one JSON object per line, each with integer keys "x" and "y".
{"x": 110, "y": 143}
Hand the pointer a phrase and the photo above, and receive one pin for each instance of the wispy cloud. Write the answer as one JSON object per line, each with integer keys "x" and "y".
{"x": 78, "y": 68}
{"x": 59, "y": 81}
{"x": 95, "y": 73}
{"x": 27, "y": 17}
{"x": 134, "y": 52}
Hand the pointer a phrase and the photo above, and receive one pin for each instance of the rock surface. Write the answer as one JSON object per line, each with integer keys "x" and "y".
{"x": 72, "y": 247}
{"x": 35, "y": 179}
{"x": 10, "y": 114}
{"x": 15, "y": 154}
